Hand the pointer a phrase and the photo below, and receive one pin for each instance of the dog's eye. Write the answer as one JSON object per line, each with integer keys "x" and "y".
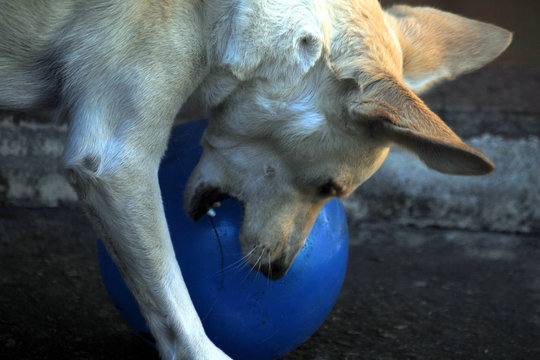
{"x": 330, "y": 188}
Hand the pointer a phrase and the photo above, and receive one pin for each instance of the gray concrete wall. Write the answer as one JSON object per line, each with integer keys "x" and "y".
{"x": 31, "y": 172}
{"x": 495, "y": 110}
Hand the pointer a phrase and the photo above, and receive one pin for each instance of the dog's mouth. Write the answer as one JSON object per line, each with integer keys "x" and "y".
{"x": 204, "y": 199}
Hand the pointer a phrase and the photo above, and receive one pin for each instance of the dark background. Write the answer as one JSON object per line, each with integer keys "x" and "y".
{"x": 521, "y": 17}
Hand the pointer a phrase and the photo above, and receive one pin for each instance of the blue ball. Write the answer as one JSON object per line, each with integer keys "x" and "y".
{"x": 243, "y": 313}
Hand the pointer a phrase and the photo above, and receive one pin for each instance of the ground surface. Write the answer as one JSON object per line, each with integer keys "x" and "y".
{"x": 409, "y": 294}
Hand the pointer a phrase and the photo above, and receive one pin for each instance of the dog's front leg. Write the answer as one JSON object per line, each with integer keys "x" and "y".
{"x": 116, "y": 177}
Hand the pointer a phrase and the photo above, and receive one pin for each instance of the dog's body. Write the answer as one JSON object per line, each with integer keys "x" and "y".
{"x": 305, "y": 99}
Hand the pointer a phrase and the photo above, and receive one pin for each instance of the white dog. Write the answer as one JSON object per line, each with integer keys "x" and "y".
{"x": 305, "y": 98}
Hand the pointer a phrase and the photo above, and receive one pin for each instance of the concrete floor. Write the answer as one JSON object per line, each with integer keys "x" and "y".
{"x": 409, "y": 294}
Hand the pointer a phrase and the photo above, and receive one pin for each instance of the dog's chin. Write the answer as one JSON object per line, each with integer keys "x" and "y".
{"x": 203, "y": 199}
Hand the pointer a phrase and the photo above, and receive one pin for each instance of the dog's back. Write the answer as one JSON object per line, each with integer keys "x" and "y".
{"x": 27, "y": 29}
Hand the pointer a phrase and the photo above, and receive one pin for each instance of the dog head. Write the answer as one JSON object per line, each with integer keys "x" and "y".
{"x": 312, "y": 112}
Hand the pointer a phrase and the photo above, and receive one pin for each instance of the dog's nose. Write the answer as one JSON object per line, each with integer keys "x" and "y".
{"x": 275, "y": 270}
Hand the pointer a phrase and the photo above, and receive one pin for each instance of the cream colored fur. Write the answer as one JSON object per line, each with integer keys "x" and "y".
{"x": 305, "y": 98}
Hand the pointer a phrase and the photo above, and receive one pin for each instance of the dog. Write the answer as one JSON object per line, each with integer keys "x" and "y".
{"x": 305, "y": 98}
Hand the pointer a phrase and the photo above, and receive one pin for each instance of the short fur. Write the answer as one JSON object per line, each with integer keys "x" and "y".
{"x": 305, "y": 98}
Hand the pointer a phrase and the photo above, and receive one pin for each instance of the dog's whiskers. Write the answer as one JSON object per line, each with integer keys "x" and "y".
{"x": 256, "y": 264}
{"x": 269, "y": 269}
{"x": 240, "y": 263}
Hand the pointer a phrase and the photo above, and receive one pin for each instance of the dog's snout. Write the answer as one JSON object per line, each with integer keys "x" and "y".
{"x": 275, "y": 270}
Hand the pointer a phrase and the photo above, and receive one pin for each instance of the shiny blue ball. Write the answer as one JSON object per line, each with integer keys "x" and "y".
{"x": 245, "y": 314}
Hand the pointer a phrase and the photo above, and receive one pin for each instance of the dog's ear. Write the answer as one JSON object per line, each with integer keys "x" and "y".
{"x": 242, "y": 54}
{"x": 438, "y": 45}
{"x": 402, "y": 119}
{"x": 272, "y": 41}
{"x": 277, "y": 60}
